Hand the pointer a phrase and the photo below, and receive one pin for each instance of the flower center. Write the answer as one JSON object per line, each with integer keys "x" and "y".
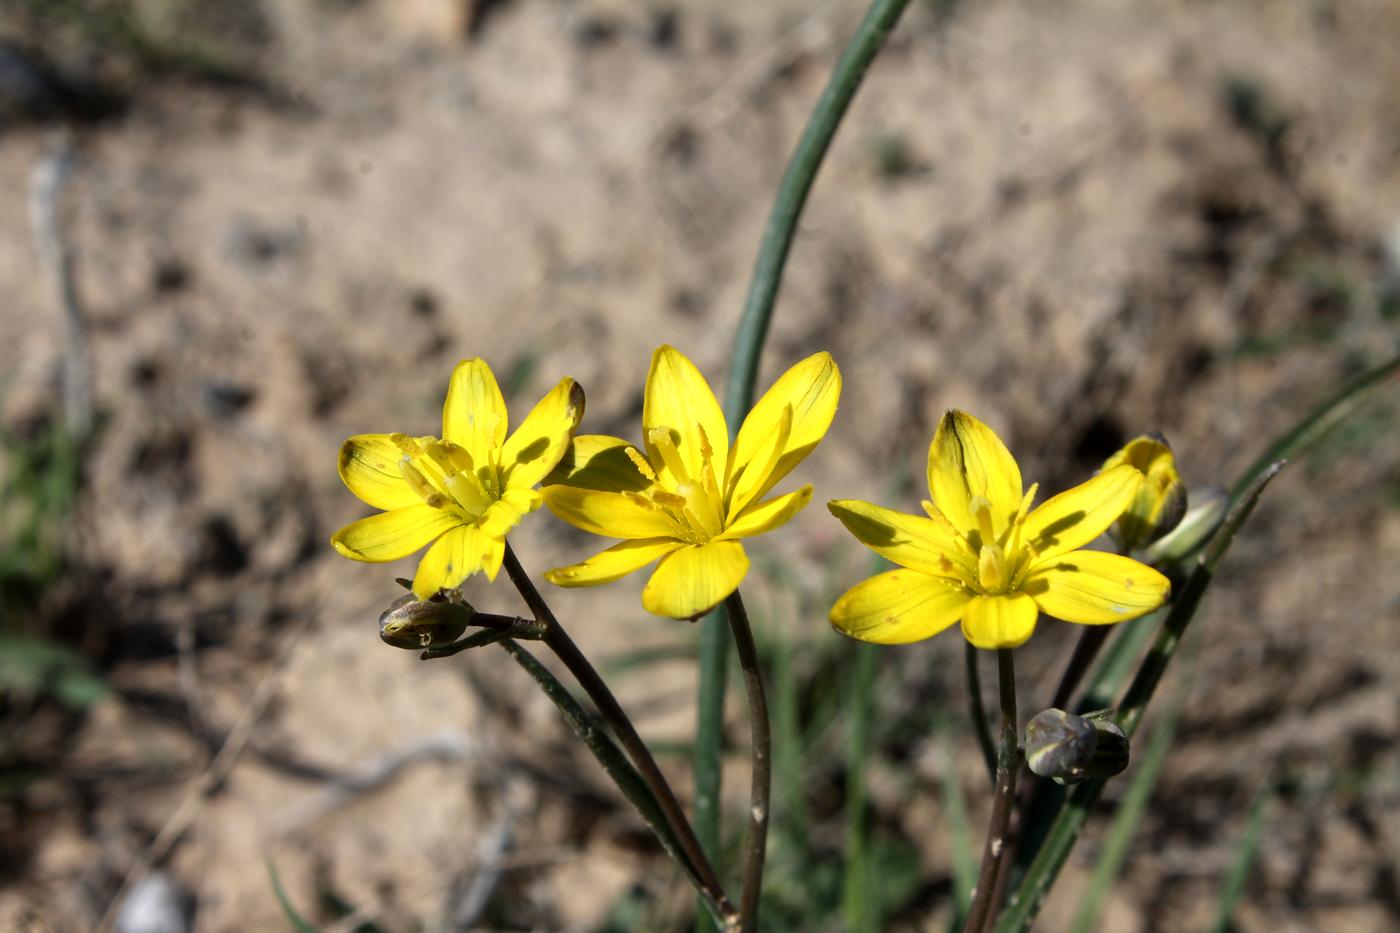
{"x": 694, "y": 503}
{"x": 444, "y": 476}
{"x": 993, "y": 570}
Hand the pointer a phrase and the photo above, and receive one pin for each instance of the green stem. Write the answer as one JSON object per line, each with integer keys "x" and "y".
{"x": 558, "y": 641}
{"x": 1070, "y": 823}
{"x": 858, "y": 895}
{"x": 983, "y": 910}
{"x": 762, "y": 781}
{"x": 977, "y": 711}
{"x": 748, "y": 344}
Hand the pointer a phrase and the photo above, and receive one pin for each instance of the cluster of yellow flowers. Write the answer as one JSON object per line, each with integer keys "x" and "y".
{"x": 981, "y": 554}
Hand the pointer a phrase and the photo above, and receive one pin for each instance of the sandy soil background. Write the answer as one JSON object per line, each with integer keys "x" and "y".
{"x": 1079, "y": 220}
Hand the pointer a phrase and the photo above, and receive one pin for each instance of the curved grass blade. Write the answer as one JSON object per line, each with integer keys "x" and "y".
{"x": 772, "y": 256}
{"x": 1316, "y": 425}
{"x": 1235, "y": 881}
{"x": 1024, "y": 905}
{"x": 297, "y": 922}
{"x": 1129, "y": 815}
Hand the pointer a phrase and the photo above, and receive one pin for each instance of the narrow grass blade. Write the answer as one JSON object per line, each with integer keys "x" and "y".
{"x": 1238, "y": 877}
{"x": 1128, "y": 817}
{"x": 859, "y": 897}
{"x": 1024, "y": 905}
{"x": 962, "y": 848}
{"x": 748, "y": 344}
{"x": 298, "y": 923}
{"x": 1315, "y": 426}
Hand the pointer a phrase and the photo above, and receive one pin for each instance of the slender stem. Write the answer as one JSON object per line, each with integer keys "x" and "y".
{"x": 772, "y": 256}
{"x": 1091, "y": 639}
{"x": 1034, "y": 795}
{"x": 983, "y": 910}
{"x": 762, "y": 782}
{"x": 977, "y": 711}
{"x": 558, "y": 641}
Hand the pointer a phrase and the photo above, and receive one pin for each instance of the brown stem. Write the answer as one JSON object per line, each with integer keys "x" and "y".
{"x": 762, "y": 740}
{"x": 983, "y": 910}
{"x": 558, "y": 641}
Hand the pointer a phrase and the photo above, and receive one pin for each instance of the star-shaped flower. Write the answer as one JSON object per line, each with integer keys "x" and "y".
{"x": 982, "y": 556}
{"x": 688, "y": 496}
{"x": 464, "y": 491}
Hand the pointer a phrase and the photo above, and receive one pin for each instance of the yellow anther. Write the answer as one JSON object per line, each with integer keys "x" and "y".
{"x": 416, "y": 481}
{"x": 641, "y": 464}
{"x": 458, "y": 456}
{"x": 660, "y": 438}
{"x": 981, "y": 508}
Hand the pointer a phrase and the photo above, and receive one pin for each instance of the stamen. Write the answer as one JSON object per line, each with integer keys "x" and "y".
{"x": 641, "y": 464}
{"x": 660, "y": 438}
{"x": 458, "y": 456}
{"x": 417, "y": 482}
{"x": 981, "y": 508}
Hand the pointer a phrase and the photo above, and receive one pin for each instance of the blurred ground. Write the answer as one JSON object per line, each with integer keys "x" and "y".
{"x": 1078, "y": 220}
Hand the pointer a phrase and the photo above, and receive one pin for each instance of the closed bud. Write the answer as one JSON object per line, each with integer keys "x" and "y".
{"x": 416, "y": 624}
{"x": 1208, "y": 508}
{"x": 1161, "y": 499}
{"x": 1069, "y": 748}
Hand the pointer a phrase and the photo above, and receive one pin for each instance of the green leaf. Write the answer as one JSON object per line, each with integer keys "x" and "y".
{"x": 298, "y": 922}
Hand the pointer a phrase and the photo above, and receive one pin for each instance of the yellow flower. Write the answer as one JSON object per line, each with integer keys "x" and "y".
{"x": 690, "y": 497}
{"x": 1160, "y": 502}
{"x": 984, "y": 557}
{"x": 465, "y": 491}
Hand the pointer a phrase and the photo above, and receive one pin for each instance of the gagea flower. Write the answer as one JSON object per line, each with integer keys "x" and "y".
{"x": 985, "y": 558}
{"x": 688, "y": 496}
{"x": 464, "y": 491}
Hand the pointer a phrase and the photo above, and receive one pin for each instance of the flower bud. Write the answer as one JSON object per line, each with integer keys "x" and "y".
{"x": 1161, "y": 500}
{"x": 1070, "y": 748}
{"x": 415, "y": 624}
{"x": 1207, "y": 511}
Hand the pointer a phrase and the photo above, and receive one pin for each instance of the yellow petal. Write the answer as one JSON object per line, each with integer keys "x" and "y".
{"x": 505, "y": 513}
{"x": 924, "y": 544}
{"x": 763, "y": 517}
{"x": 474, "y": 416}
{"x": 536, "y": 446}
{"x": 456, "y": 556}
{"x": 1079, "y": 515}
{"x": 611, "y": 514}
{"x": 693, "y": 580}
{"x": 999, "y": 621}
{"x": 596, "y": 461}
{"x": 898, "y": 607}
{"x": 1096, "y": 588}
{"x": 679, "y": 400}
{"x": 810, "y": 389}
{"x": 394, "y": 534}
{"x": 749, "y": 481}
{"x": 614, "y": 563}
{"x": 369, "y": 465}
{"x": 967, "y": 460}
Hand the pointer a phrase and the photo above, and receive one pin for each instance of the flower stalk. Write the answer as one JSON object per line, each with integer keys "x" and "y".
{"x": 762, "y": 779}
{"x": 557, "y": 640}
{"x": 983, "y": 911}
